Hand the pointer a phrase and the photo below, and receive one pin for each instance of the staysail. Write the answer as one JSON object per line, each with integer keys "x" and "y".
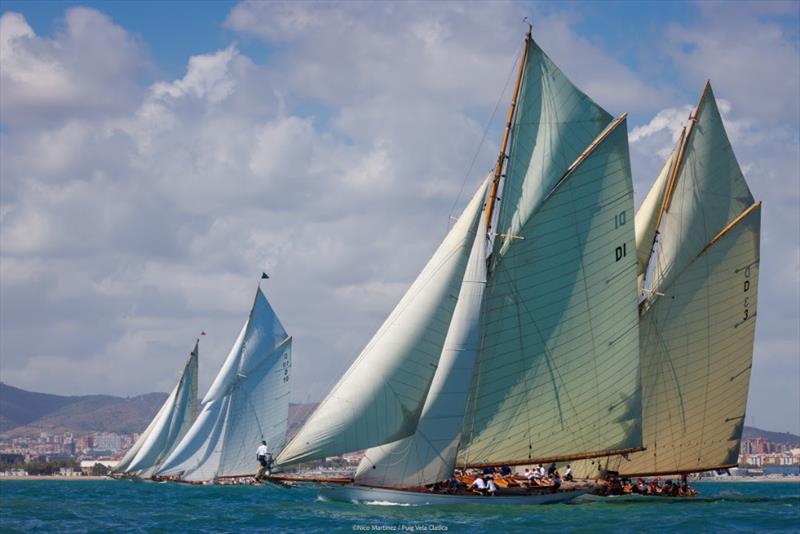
{"x": 247, "y": 403}
{"x": 168, "y": 427}
{"x": 429, "y": 455}
{"x": 381, "y": 396}
{"x": 647, "y": 220}
{"x": 557, "y": 374}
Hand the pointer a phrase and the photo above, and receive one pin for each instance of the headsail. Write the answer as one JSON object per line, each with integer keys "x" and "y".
{"x": 429, "y": 455}
{"x": 247, "y": 403}
{"x": 380, "y": 398}
{"x": 168, "y": 427}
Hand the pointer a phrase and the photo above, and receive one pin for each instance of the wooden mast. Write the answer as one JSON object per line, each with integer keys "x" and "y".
{"x": 498, "y": 168}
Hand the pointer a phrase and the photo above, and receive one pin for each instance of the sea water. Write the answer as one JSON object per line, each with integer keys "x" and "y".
{"x": 110, "y": 505}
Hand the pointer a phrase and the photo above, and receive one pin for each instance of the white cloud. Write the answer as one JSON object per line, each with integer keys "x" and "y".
{"x": 91, "y": 66}
{"x": 134, "y": 216}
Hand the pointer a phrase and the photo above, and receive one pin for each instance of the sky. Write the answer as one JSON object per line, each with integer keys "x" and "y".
{"x": 156, "y": 157}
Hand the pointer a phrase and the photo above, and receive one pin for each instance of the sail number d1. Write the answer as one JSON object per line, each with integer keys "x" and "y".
{"x": 619, "y": 220}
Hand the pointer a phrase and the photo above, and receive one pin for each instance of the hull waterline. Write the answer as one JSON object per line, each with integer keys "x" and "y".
{"x": 366, "y": 495}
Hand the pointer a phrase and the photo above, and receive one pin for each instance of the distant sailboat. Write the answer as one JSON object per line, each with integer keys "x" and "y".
{"x": 697, "y": 324}
{"x": 167, "y": 428}
{"x": 534, "y": 358}
{"x": 248, "y": 402}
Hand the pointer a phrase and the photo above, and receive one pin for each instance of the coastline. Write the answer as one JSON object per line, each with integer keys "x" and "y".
{"x": 787, "y": 478}
{"x": 51, "y": 477}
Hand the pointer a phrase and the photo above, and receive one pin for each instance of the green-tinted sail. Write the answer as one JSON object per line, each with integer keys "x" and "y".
{"x": 698, "y": 324}
{"x": 553, "y": 124}
{"x": 709, "y": 192}
{"x": 557, "y": 375}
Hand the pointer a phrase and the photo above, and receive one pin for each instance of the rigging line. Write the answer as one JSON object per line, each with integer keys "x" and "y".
{"x": 485, "y": 133}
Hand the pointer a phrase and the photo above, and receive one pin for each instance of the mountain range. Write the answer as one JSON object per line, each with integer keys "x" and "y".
{"x": 27, "y": 413}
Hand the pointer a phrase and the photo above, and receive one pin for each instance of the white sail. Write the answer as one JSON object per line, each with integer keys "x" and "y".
{"x": 429, "y": 455}
{"x": 647, "y": 219}
{"x": 122, "y": 465}
{"x": 557, "y": 375}
{"x": 168, "y": 426}
{"x": 247, "y": 403}
{"x": 380, "y": 398}
{"x": 172, "y": 423}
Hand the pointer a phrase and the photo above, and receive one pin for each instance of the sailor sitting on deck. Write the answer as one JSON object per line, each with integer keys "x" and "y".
{"x": 264, "y": 458}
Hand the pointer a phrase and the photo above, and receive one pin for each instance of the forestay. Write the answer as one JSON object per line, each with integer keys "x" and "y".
{"x": 429, "y": 455}
{"x": 381, "y": 396}
{"x": 557, "y": 374}
{"x": 168, "y": 427}
{"x": 247, "y": 403}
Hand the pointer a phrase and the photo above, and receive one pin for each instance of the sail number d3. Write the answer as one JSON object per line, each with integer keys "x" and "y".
{"x": 619, "y": 220}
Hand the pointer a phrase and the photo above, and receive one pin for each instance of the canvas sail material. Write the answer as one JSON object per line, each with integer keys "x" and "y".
{"x": 168, "y": 426}
{"x": 553, "y": 123}
{"x": 647, "y": 220}
{"x": 247, "y": 403}
{"x": 697, "y": 328}
{"x": 697, "y": 351}
{"x": 381, "y": 396}
{"x": 173, "y": 423}
{"x": 429, "y": 455}
{"x": 709, "y": 192}
{"x": 557, "y": 375}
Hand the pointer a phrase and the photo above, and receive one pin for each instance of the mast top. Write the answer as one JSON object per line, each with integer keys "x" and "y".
{"x": 529, "y": 33}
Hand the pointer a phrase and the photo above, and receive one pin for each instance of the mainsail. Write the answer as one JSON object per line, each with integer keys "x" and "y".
{"x": 429, "y": 455}
{"x": 698, "y": 323}
{"x": 168, "y": 427}
{"x": 557, "y": 374}
{"x": 247, "y": 403}
{"x": 380, "y": 398}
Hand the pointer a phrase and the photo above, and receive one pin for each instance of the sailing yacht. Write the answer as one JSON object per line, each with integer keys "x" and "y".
{"x": 518, "y": 343}
{"x": 168, "y": 427}
{"x": 248, "y": 402}
{"x": 698, "y": 238}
